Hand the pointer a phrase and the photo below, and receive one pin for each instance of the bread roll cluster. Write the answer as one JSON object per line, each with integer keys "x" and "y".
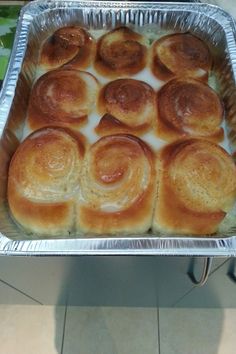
{"x": 57, "y": 184}
{"x": 62, "y": 183}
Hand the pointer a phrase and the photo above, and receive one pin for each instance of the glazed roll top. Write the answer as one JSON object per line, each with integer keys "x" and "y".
{"x": 43, "y": 178}
{"x": 70, "y": 45}
{"x": 117, "y": 187}
{"x": 196, "y": 187}
{"x": 187, "y": 107}
{"x": 128, "y": 106}
{"x": 181, "y": 55}
{"x": 62, "y": 97}
{"x": 120, "y": 52}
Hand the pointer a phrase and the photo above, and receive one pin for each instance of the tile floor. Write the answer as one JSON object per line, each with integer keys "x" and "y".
{"x": 30, "y": 329}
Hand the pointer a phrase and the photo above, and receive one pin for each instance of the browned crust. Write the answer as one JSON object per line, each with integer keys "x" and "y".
{"x": 172, "y": 215}
{"x": 39, "y": 216}
{"x": 72, "y": 46}
{"x": 126, "y": 56}
{"x": 110, "y": 125}
{"x": 69, "y": 89}
{"x": 168, "y": 134}
{"x": 148, "y": 152}
{"x": 124, "y": 95}
{"x": 159, "y": 69}
{"x": 127, "y": 106}
{"x": 197, "y": 57}
{"x": 77, "y": 137}
{"x": 188, "y": 107}
{"x": 131, "y": 220}
{"x": 135, "y": 218}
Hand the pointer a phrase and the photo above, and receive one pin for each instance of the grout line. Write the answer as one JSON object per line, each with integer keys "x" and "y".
{"x": 219, "y": 266}
{"x": 194, "y": 287}
{"x": 158, "y": 331}
{"x": 21, "y": 292}
{"x": 188, "y": 292}
{"x": 64, "y": 327}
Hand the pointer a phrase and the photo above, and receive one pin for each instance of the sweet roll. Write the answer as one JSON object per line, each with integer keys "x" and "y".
{"x": 188, "y": 107}
{"x": 127, "y": 106}
{"x": 43, "y": 179}
{"x": 180, "y": 54}
{"x": 62, "y": 97}
{"x": 196, "y": 187}
{"x": 120, "y": 52}
{"x": 71, "y": 45}
{"x": 117, "y": 187}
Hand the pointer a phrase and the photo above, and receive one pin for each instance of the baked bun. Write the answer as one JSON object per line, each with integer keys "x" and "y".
{"x": 127, "y": 105}
{"x": 117, "y": 187}
{"x": 71, "y": 45}
{"x": 188, "y": 107}
{"x": 180, "y": 54}
{"x": 43, "y": 178}
{"x": 120, "y": 52}
{"x": 62, "y": 97}
{"x": 196, "y": 187}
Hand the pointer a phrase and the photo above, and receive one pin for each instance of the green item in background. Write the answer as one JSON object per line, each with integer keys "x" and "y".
{"x": 10, "y": 11}
{"x": 7, "y": 39}
{"x": 3, "y": 66}
{"x": 8, "y": 19}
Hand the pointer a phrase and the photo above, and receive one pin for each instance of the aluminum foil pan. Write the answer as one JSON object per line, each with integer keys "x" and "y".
{"x": 37, "y": 20}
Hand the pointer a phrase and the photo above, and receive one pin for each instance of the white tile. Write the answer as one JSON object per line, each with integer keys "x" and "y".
{"x": 111, "y": 330}
{"x": 31, "y": 329}
{"x": 197, "y": 331}
{"x": 227, "y": 343}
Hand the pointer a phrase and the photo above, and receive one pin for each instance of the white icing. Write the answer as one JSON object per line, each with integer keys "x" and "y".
{"x": 88, "y": 129}
{"x": 155, "y": 142}
{"x": 147, "y": 76}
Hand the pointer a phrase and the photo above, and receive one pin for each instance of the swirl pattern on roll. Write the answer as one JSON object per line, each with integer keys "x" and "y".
{"x": 70, "y": 45}
{"x": 131, "y": 102}
{"x": 62, "y": 97}
{"x": 117, "y": 186}
{"x": 43, "y": 178}
{"x": 196, "y": 187}
{"x": 182, "y": 55}
{"x": 188, "y": 107}
{"x": 120, "y": 52}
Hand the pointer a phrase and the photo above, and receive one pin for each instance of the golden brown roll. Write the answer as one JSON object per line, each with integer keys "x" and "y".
{"x": 62, "y": 97}
{"x": 43, "y": 179}
{"x": 71, "y": 45}
{"x": 180, "y": 54}
{"x": 196, "y": 187}
{"x": 188, "y": 107}
{"x": 120, "y": 52}
{"x": 117, "y": 187}
{"x": 127, "y": 105}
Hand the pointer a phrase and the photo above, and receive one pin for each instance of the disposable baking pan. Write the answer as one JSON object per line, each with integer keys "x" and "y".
{"x": 37, "y": 20}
